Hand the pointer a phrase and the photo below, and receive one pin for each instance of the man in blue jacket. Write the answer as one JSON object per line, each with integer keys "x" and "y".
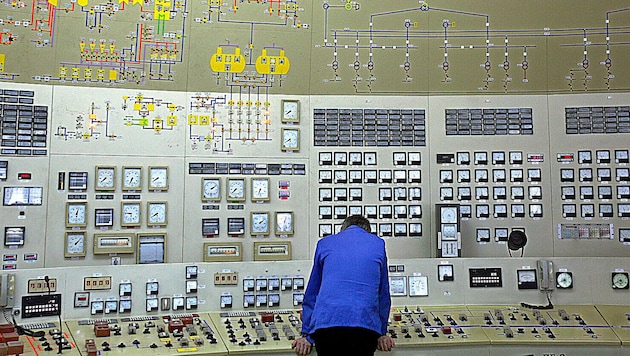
{"x": 347, "y": 301}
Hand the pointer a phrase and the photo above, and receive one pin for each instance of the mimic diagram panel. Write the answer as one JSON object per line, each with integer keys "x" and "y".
{"x": 319, "y": 47}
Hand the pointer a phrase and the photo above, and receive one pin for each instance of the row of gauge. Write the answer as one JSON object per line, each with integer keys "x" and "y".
{"x": 132, "y": 179}
{"x": 130, "y": 214}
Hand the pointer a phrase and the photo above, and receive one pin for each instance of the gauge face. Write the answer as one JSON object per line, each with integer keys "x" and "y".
{"x": 356, "y": 194}
{"x": 260, "y": 223}
{"x": 586, "y": 174}
{"x": 621, "y": 156}
{"x": 75, "y": 244}
{"x": 178, "y": 303}
{"x": 385, "y": 176}
{"x": 157, "y": 213}
{"x": 152, "y": 288}
{"x": 236, "y": 189}
{"x": 284, "y": 223}
{"x": 158, "y": 178}
{"x": 516, "y": 175}
{"x": 260, "y": 189}
{"x": 463, "y": 176}
{"x": 481, "y": 175}
{"x": 586, "y": 192}
{"x": 483, "y": 235}
{"x": 325, "y": 176}
{"x": 290, "y": 111}
{"x": 384, "y": 194}
{"x": 481, "y": 158}
{"x": 105, "y": 178}
{"x": 498, "y": 157}
{"x": 325, "y": 194}
{"x": 355, "y": 158}
{"x": 132, "y": 178}
{"x": 448, "y": 214}
{"x": 603, "y": 156}
{"x": 526, "y": 276}
{"x": 567, "y": 175}
{"x": 498, "y": 175}
{"x": 211, "y": 189}
{"x": 516, "y": 157}
{"x": 400, "y": 158}
{"x": 76, "y": 214}
{"x": 445, "y": 273}
{"x": 325, "y": 158}
{"x": 341, "y": 212}
{"x": 535, "y": 192}
{"x": 564, "y": 280}
{"x": 414, "y": 158}
{"x": 290, "y": 139}
{"x": 370, "y": 158}
{"x": 446, "y": 176}
{"x": 124, "y": 289}
{"x": 568, "y": 192}
{"x": 370, "y": 211}
{"x": 517, "y": 192}
{"x": 463, "y": 158}
{"x": 446, "y": 193}
{"x": 324, "y": 230}
{"x": 341, "y": 194}
{"x": 585, "y": 157}
{"x": 620, "y": 280}
{"x": 130, "y": 214}
{"x": 355, "y": 176}
{"x": 341, "y": 176}
{"x": 415, "y": 193}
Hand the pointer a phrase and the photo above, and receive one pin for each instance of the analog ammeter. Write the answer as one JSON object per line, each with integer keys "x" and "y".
{"x": 236, "y": 189}
{"x": 105, "y": 178}
{"x": 290, "y": 139}
{"x": 564, "y": 280}
{"x": 158, "y": 179}
{"x": 157, "y": 213}
{"x": 260, "y": 189}
{"x": 130, "y": 214}
{"x": 620, "y": 280}
{"x": 132, "y": 178}
{"x": 210, "y": 189}
{"x": 75, "y": 244}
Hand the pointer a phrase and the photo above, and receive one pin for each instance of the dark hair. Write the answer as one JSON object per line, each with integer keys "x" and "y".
{"x": 357, "y": 220}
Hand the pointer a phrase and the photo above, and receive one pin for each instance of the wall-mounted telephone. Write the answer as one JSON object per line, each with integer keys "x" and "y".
{"x": 545, "y": 271}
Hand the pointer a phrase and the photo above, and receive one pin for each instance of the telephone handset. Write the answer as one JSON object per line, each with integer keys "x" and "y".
{"x": 545, "y": 271}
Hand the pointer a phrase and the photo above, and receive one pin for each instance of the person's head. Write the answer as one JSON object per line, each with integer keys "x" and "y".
{"x": 357, "y": 220}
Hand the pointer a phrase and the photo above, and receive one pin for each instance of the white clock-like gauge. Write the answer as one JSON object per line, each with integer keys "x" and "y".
{"x": 76, "y": 214}
{"x": 236, "y": 189}
{"x": 620, "y": 280}
{"x": 211, "y": 189}
{"x": 105, "y": 178}
{"x": 130, "y": 214}
{"x": 157, "y": 213}
{"x": 290, "y": 139}
{"x": 74, "y": 244}
{"x": 564, "y": 280}
{"x": 260, "y": 189}
{"x": 259, "y": 223}
{"x": 158, "y": 178}
{"x": 290, "y": 111}
{"x": 132, "y": 178}
{"x": 449, "y": 215}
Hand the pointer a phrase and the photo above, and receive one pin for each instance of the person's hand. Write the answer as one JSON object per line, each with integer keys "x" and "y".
{"x": 302, "y": 346}
{"x": 385, "y": 343}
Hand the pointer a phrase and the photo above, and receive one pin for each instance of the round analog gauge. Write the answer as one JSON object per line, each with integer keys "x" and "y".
{"x": 75, "y": 244}
{"x": 449, "y": 215}
{"x": 76, "y": 214}
{"x": 157, "y": 213}
{"x": 290, "y": 111}
{"x": 290, "y": 139}
{"x": 105, "y": 178}
{"x": 564, "y": 280}
{"x": 158, "y": 178}
{"x": 620, "y": 280}
{"x": 260, "y": 223}
{"x": 236, "y": 189}
{"x": 260, "y": 189}
{"x": 130, "y": 214}
{"x": 211, "y": 189}
{"x": 132, "y": 178}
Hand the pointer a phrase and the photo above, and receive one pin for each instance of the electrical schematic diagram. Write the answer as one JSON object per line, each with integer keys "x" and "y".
{"x": 453, "y": 47}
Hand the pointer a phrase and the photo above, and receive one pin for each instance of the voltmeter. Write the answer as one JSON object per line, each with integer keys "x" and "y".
{"x": 448, "y": 230}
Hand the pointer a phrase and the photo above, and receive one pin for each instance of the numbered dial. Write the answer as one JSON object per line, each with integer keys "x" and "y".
{"x": 158, "y": 178}
{"x": 260, "y": 223}
{"x": 105, "y": 178}
{"x": 564, "y": 280}
{"x": 260, "y": 189}
{"x": 290, "y": 139}
{"x": 236, "y": 189}
{"x": 76, "y": 214}
{"x": 290, "y": 111}
{"x": 130, "y": 214}
{"x": 74, "y": 244}
{"x": 157, "y": 212}
{"x": 284, "y": 223}
{"x": 211, "y": 189}
{"x": 132, "y": 178}
{"x": 620, "y": 280}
